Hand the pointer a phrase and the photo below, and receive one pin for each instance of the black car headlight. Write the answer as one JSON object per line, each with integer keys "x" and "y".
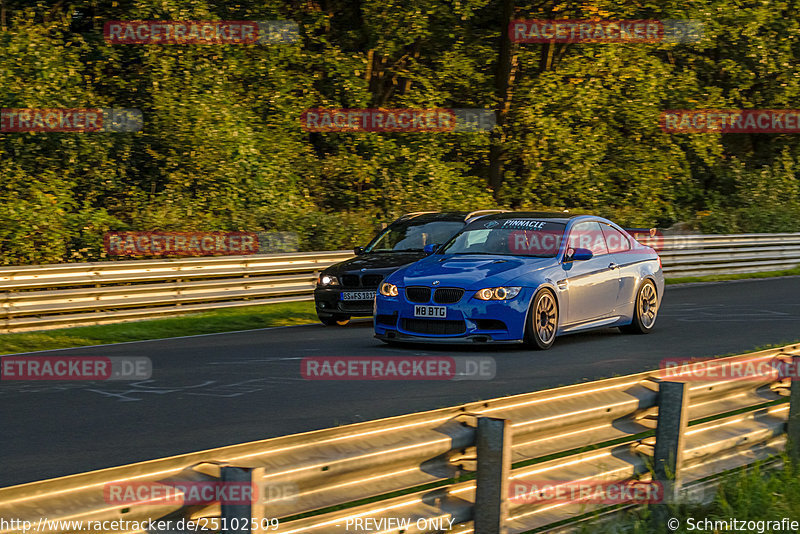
{"x": 325, "y": 280}
{"x": 388, "y": 290}
{"x": 497, "y": 293}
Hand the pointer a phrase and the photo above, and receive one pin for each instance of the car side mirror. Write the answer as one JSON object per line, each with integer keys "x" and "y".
{"x": 578, "y": 254}
{"x": 358, "y": 251}
{"x": 430, "y": 249}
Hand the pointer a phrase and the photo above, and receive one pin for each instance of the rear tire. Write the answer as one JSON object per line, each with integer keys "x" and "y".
{"x": 333, "y": 320}
{"x": 645, "y": 310}
{"x": 542, "y": 323}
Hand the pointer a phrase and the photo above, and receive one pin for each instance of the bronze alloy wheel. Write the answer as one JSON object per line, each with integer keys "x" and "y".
{"x": 645, "y": 310}
{"x": 543, "y": 320}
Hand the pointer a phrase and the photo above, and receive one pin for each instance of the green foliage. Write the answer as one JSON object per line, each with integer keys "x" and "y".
{"x": 752, "y": 494}
{"x": 222, "y": 147}
{"x": 332, "y": 231}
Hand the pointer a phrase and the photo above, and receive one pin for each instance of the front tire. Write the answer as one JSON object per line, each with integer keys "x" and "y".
{"x": 645, "y": 310}
{"x": 333, "y": 320}
{"x": 542, "y": 323}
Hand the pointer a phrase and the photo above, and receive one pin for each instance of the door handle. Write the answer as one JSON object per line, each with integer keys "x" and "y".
{"x": 613, "y": 265}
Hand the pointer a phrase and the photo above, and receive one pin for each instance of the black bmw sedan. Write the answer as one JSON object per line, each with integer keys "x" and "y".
{"x": 347, "y": 289}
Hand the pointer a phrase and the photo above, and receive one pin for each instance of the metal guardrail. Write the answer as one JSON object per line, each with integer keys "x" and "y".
{"x": 53, "y": 296}
{"x": 430, "y": 457}
{"x": 698, "y": 255}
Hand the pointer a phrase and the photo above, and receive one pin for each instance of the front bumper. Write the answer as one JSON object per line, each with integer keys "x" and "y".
{"x": 329, "y": 300}
{"x": 468, "y": 321}
{"x": 391, "y": 335}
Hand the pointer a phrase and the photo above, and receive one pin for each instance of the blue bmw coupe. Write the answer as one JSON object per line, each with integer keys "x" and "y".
{"x": 523, "y": 278}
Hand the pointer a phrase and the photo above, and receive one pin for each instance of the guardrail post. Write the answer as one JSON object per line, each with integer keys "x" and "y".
{"x": 493, "y": 448}
{"x": 793, "y": 422}
{"x": 235, "y": 515}
{"x": 5, "y": 318}
{"x": 673, "y": 413}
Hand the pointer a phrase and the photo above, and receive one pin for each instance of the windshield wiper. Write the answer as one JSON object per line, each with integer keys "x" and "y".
{"x": 501, "y": 254}
{"x": 393, "y": 250}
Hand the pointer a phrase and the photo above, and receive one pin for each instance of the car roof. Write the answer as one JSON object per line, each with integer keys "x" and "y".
{"x": 553, "y": 216}
{"x": 446, "y": 216}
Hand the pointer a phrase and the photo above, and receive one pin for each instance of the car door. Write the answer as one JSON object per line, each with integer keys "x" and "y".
{"x": 620, "y": 248}
{"x": 592, "y": 285}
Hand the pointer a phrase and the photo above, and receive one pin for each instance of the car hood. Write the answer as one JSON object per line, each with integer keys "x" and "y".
{"x": 377, "y": 261}
{"x": 469, "y": 271}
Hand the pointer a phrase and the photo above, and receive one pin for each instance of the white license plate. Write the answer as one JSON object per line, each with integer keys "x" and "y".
{"x": 358, "y": 295}
{"x": 430, "y": 311}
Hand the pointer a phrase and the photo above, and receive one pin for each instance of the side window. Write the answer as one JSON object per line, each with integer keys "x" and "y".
{"x": 588, "y": 235}
{"x": 615, "y": 240}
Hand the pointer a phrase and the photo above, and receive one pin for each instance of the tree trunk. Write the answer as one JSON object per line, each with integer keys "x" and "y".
{"x": 504, "y": 82}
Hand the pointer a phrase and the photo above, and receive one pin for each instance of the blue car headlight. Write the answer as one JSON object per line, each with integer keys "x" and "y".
{"x": 497, "y": 293}
{"x": 388, "y": 290}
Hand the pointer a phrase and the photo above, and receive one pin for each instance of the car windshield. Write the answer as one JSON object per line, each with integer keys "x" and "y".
{"x": 410, "y": 236}
{"x": 516, "y": 237}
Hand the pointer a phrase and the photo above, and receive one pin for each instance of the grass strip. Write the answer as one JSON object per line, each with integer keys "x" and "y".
{"x": 758, "y": 494}
{"x": 224, "y": 320}
{"x": 738, "y": 276}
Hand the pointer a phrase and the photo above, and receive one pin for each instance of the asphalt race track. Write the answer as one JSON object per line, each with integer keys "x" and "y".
{"x": 214, "y": 390}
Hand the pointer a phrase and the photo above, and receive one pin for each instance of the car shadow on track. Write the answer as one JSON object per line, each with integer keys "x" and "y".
{"x": 566, "y": 340}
